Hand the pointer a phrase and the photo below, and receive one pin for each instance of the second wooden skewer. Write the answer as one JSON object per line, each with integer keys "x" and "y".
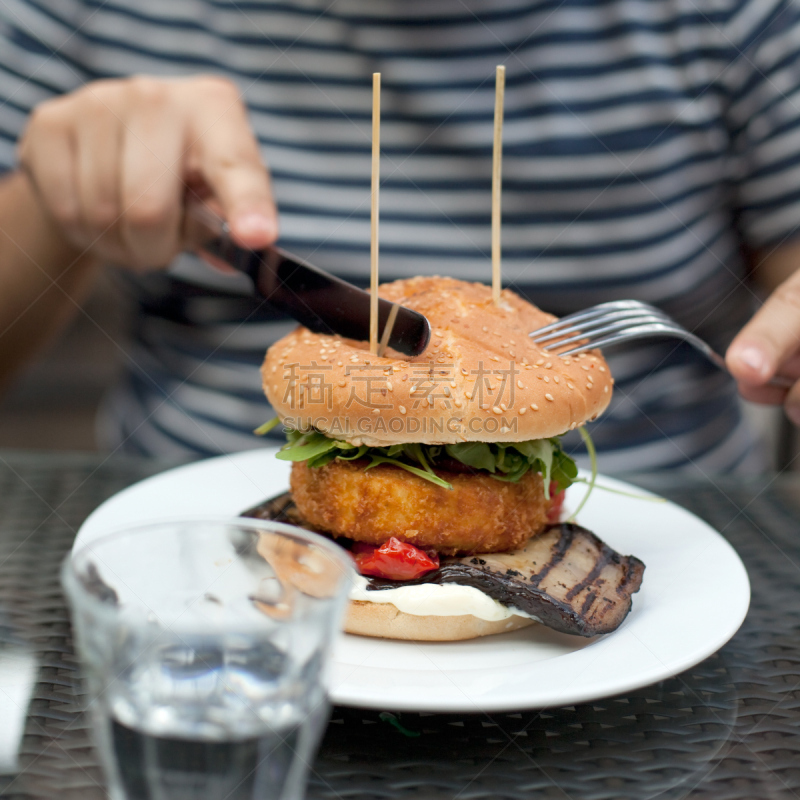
{"x": 497, "y": 180}
{"x": 376, "y": 179}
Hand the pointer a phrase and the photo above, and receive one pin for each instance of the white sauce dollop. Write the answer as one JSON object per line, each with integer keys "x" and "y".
{"x": 446, "y": 600}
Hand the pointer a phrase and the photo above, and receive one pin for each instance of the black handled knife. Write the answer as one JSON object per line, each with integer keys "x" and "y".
{"x": 318, "y": 300}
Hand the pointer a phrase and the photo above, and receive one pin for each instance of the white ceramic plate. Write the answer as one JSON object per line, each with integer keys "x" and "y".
{"x": 694, "y": 597}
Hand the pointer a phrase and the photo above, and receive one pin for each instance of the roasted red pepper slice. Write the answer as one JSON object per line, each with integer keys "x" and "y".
{"x": 395, "y": 560}
{"x": 556, "y": 503}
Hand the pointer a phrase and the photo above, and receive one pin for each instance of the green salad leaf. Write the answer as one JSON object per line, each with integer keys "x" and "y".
{"x": 264, "y": 429}
{"x": 505, "y": 461}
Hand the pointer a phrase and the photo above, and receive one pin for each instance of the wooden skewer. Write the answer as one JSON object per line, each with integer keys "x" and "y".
{"x": 373, "y": 250}
{"x": 497, "y": 180}
{"x": 388, "y": 328}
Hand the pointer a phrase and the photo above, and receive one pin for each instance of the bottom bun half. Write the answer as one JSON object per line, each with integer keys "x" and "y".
{"x": 383, "y": 620}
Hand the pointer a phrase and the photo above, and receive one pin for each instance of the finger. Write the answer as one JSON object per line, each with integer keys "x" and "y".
{"x": 764, "y": 395}
{"x": 771, "y": 338}
{"x": 47, "y": 153}
{"x": 792, "y": 404}
{"x": 152, "y": 184}
{"x": 98, "y": 144}
{"x": 791, "y": 368}
{"x": 226, "y": 154}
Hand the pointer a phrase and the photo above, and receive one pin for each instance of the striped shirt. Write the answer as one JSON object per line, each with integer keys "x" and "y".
{"x": 648, "y": 144}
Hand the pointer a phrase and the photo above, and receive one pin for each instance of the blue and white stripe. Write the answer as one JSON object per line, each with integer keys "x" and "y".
{"x": 647, "y": 142}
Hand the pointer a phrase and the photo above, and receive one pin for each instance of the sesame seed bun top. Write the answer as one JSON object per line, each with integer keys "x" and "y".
{"x": 480, "y": 378}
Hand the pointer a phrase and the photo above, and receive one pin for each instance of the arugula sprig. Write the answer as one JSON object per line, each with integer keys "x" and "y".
{"x": 505, "y": 461}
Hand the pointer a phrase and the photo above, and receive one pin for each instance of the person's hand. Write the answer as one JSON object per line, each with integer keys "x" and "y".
{"x": 769, "y": 345}
{"x": 111, "y": 164}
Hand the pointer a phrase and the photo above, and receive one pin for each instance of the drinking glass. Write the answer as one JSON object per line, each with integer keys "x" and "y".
{"x": 205, "y": 644}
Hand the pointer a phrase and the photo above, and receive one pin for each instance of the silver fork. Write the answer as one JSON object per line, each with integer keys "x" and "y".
{"x": 622, "y": 321}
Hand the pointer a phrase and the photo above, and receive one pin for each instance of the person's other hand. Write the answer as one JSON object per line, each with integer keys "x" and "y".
{"x": 769, "y": 345}
{"x": 111, "y": 163}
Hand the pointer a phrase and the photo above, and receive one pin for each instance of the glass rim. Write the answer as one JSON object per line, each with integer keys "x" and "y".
{"x": 74, "y": 587}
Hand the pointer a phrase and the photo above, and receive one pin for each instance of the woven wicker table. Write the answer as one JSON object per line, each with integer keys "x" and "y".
{"x": 726, "y": 729}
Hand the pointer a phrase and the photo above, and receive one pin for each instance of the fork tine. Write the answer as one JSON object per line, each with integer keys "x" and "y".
{"x": 600, "y": 331}
{"x": 626, "y": 334}
{"x": 595, "y": 326}
{"x": 633, "y": 307}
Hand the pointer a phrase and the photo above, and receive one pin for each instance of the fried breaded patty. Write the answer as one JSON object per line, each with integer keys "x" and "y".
{"x": 479, "y": 515}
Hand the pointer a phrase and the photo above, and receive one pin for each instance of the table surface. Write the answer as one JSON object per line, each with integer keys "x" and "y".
{"x": 727, "y": 728}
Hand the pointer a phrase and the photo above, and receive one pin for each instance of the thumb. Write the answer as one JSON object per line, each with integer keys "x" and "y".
{"x": 771, "y": 337}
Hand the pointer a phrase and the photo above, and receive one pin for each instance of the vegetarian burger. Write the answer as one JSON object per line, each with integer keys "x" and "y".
{"x": 453, "y": 454}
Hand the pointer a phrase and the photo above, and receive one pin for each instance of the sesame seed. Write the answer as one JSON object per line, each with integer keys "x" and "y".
{"x": 430, "y": 401}
{"x": 274, "y": 369}
{"x": 555, "y": 378}
{"x": 496, "y": 410}
{"x": 484, "y": 406}
{"x": 519, "y": 385}
{"x": 402, "y": 409}
{"x": 522, "y": 410}
{"x": 342, "y": 383}
{"x": 583, "y": 366}
{"x": 376, "y": 411}
{"x": 412, "y": 390}
{"x": 446, "y": 392}
{"x": 602, "y": 369}
{"x": 469, "y": 395}
{"x": 389, "y": 386}
{"x": 528, "y": 366}
{"x": 549, "y": 397}
{"x": 512, "y": 341}
{"x": 534, "y": 407}
{"x": 570, "y": 385}
{"x": 485, "y": 329}
{"x": 605, "y": 390}
{"x": 512, "y": 353}
{"x": 546, "y": 379}
{"x": 405, "y": 377}
{"x": 464, "y": 372}
{"x": 505, "y": 429}
{"x": 540, "y": 362}
{"x": 589, "y": 386}
{"x": 457, "y": 403}
{"x": 548, "y": 365}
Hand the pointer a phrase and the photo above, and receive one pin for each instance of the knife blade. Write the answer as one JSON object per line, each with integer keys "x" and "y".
{"x": 320, "y": 301}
